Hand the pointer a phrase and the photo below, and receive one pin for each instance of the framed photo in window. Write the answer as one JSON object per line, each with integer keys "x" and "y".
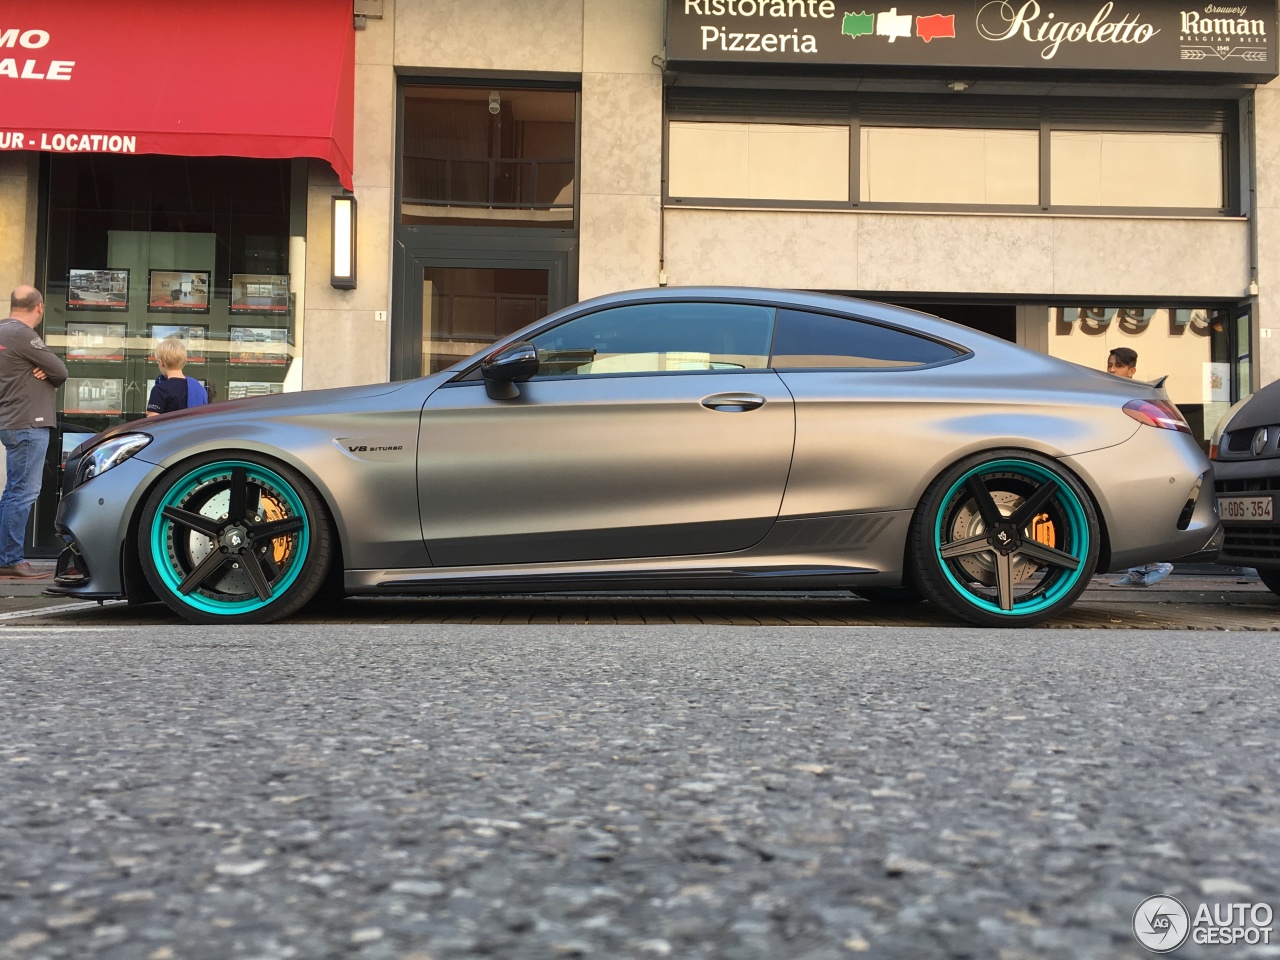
{"x": 93, "y": 395}
{"x": 193, "y": 337}
{"x": 178, "y": 291}
{"x": 98, "y": 290}
{"x": 96, "y": 341}
{"x": 259, "y": 345}
{"x": 259, "y": 293}
{"x": 239, "y": 389}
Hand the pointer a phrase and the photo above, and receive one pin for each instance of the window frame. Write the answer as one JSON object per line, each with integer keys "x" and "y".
{"x": 502, "y": 82}
{"x": 1042, "y": 114}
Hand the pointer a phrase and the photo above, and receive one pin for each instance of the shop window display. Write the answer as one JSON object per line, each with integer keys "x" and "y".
{"x": 138, "y": 248}
{"x": 154, "y": 240}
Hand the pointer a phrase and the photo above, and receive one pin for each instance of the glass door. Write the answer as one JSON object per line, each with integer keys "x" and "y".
{"x": 464, "y": 309}
{"x": 455, "y": 291}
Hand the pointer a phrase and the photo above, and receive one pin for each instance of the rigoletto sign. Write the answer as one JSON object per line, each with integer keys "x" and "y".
{"x": 1131, "y": 36}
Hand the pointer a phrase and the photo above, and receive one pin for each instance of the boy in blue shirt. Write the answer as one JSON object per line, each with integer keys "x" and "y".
{"x": 174, "y": 390}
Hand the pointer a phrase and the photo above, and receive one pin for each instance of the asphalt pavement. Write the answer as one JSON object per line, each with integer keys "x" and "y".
{"x": 532, "y": 792}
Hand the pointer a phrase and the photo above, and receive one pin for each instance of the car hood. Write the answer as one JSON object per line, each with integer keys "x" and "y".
{"x": 269, "y": 406}
{"x": 1261, "y": 410}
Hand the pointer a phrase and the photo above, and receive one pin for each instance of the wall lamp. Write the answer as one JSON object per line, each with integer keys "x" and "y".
{"x": 342, "y": 254}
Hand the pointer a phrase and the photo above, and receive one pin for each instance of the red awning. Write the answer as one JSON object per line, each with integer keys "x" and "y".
{"x": 240, "y": 78}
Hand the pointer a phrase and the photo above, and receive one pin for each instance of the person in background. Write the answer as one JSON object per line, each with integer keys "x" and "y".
{"x": 174, "y": 390}
{"x": 1123, "y": 362}
{"x": 29, "y": 376}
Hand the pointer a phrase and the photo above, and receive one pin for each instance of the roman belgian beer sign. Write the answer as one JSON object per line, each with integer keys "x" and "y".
{"x": 1225, "y": 40}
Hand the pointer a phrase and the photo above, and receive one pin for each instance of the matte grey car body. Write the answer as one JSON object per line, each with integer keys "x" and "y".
{"x": 725, "y": 467}
{"x": 1247, "y": 481}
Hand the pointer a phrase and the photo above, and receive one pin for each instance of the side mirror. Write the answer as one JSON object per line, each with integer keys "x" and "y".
{"x": 514, "y": 363}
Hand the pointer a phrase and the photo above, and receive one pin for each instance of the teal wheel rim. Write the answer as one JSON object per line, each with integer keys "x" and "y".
{"x": 194, "y": 521}
{"x": 1059, "y": 569}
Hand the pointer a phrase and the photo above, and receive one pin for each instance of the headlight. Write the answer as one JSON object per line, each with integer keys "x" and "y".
{"x": 108, "y": 454}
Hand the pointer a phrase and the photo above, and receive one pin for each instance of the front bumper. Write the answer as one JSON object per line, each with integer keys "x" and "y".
{"x": 94, "y": 521}
{"x": 1249, "y": 544}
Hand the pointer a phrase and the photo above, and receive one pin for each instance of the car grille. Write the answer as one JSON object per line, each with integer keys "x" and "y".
{"x": 1249, "y": 543}
{"x": 1241, "y": 441}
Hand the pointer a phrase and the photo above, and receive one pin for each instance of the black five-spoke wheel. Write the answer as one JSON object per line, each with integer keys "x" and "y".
{"x": 1007, "y": 538}
{"x": 233, "y": 539}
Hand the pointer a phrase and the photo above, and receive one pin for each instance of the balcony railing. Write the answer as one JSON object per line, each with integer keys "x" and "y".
{"x": 500, "y": 184}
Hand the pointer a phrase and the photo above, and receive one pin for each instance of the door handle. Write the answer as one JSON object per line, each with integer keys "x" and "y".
{"x": 733, "y": 402}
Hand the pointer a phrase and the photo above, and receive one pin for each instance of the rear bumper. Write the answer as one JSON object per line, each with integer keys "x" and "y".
{"x": 1155, "y": 493}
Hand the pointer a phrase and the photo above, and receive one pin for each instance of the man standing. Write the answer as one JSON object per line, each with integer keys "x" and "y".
{"x": 1123, "y": 362}
{"x": 29, "y": 376}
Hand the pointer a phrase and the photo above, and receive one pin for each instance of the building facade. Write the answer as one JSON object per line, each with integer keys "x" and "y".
{"x": 1070, "y": 175}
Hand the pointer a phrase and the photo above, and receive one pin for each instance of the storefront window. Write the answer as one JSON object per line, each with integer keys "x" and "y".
{"x": 1050, "y": 155}
{"x": 486, "y": 157}
{"x": 144, "y": 248}
{"x": 1195, "y": 348}
{"x": 940, "y": 165}
{"x": 1126, "y": 169}
{"x": 759, "y": 161}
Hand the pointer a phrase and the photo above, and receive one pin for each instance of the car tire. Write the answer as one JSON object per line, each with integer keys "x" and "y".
{"x": 234, "y": 539}
{"x": 1270, "y": 578}
{"x": 1007, "y": 538}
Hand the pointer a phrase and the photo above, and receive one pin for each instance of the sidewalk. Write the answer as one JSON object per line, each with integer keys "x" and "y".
{"x": 1189, "y": 583}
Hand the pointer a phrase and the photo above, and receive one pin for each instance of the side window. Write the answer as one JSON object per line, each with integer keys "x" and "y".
{"x": 818, "y": 341}
{"x": 658, "y": 337}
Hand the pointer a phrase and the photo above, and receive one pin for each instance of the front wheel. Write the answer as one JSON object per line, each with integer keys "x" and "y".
{"x": 1006, "y": 538}
{"x": 234, "y": 539}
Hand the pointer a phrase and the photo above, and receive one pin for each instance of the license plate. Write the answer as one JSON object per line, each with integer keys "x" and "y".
{"x": 1246, "y": 509}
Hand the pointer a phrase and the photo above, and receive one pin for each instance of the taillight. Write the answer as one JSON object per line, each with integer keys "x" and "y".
{"x": 1157, "y": 413}
{"x": 1213, "y": 451}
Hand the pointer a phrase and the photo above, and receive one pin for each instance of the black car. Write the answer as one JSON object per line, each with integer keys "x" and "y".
{"x": 1246, "y": 465}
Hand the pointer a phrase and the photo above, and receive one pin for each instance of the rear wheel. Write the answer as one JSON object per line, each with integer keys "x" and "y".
{"x": 1007, "y": 538}
{"x": 234, "y": 540}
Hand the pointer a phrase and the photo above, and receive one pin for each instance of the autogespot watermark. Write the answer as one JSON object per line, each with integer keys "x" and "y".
{"x": 1163, "y": 924}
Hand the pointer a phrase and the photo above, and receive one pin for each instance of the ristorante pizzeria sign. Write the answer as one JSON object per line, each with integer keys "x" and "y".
{"x": 1216, "y": 40}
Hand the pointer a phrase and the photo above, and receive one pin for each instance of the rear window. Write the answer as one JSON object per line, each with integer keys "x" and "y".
{"x": 821, "y": 341}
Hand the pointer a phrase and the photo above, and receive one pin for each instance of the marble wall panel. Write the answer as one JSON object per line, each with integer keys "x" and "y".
{"x": 956, "y": 254}
{"x": 342, "y": 350}
{"x": 18, "y": 213}
{"x": 763, "y": 248}
{"x": 1267, "y": 318}
{"x": 622, "y": 133}
{"x": 343, "y": 343}
{"x": 376, "y": 42}
{"x": 619, "y": 244}
{"x": 375, "y": 126}
{"x": 1267, "y": 223}
{"x": 13, "y": 216}
{"x": 532, "y": 35}
{"x": 1156, "y": 257}
{"x": 622, "y": 36}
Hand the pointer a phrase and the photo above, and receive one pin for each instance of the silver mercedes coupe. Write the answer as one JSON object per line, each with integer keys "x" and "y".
{"x": 674, "y": 439}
